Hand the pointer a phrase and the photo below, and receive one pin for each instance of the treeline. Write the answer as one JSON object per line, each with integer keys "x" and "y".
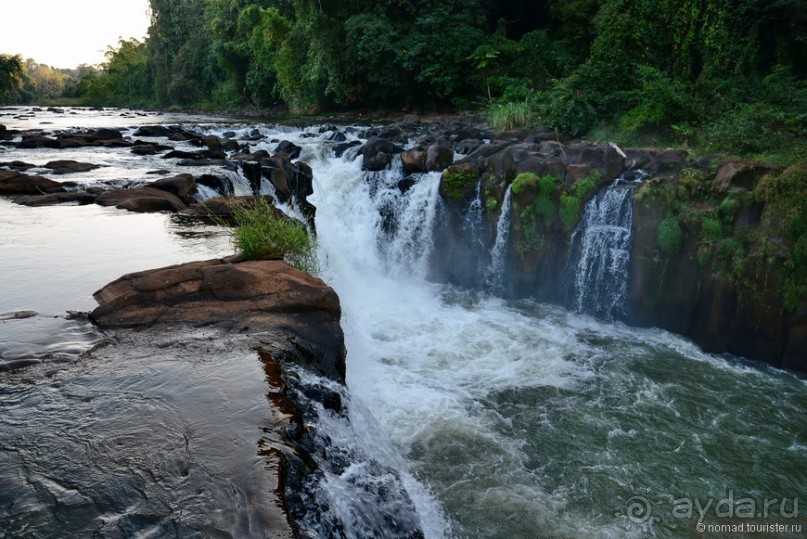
{"x": 718, "y": 71}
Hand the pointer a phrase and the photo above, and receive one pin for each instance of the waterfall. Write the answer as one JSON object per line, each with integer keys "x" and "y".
{"x": 475, "y": 219}
{"x": 405, "y": 211}
{"x": 598, "y": 265}
{"x": 495, "y": 272}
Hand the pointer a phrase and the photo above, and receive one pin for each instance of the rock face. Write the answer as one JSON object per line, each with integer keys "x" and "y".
{"x": 733, "y": 280}
{"x": 254, "y": 296}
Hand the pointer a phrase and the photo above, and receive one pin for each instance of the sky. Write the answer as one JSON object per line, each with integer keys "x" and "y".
{"x": 67, "y": 33}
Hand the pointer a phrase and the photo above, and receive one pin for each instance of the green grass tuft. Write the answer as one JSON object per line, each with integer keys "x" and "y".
{"x": 262, "y": 234}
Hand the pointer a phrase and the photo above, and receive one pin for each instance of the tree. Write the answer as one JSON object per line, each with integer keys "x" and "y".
{"x": 12, "y": 76}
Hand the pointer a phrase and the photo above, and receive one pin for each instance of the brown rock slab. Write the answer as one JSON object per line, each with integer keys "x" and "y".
{"x": 244, "y": 297}
{"x": 141, "y": 200}
{"x": 17, "y": 183}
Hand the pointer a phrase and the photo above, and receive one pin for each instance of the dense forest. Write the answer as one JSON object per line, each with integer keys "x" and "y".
{"x": 715, "y": 74}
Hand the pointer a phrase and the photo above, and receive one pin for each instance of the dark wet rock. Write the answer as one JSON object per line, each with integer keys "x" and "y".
{"x": 467, "y": 146}
{"x": 203, "y": 154}
{"x": 69, "y": 167}
{"x": 337, "y": 136}
{"x": 17, "y": 183}
{"x": 181, "y": 185}
{"x": 105, "y": 134}
{"x": 39, "y": 141}
{"x": 223, "y": 186}
{"x": 439, "y": 156}
{"x": 53, "y": 199}
{"x": 378, "y": 152}
{"x": 413, "y": 161}
{"x": 290, "y": 149}
{"x": 340, "y": 149}
{"x": 602, "y": 158}
{"x": 152, "y": 131}
{"x": 17, "y": 165}
{"x": 202, "y": 162}
{"x": 141, "y": 200}
{"x": 406, "y": 184}
{"x": 376, "y": 162}
{"x": 144, "y": 149}
{"x": 244, "y": 297}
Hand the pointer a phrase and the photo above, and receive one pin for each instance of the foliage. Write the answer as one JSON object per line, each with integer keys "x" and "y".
{"x": 456, "y": 182}
{"x": 711, "y": 74}
{"x": 669, "y": 236}
{"x": 262, "y": 234}
{"x": 569, "y": 211}
{"x": 11, "y": 78}
{"x": 509, "y": 116}
{"x": 524, "y": 181}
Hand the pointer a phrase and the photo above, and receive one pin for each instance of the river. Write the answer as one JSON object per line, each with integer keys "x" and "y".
{"x": 503, "y": 418}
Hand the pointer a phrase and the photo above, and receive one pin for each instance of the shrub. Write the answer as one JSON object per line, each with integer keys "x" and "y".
{"x": 523, "y": 181}
{"x": 569, "y": 211}
{"x": 669, "y": 236}
{"x": 712, "y": 230}
{"x": 728, "y": 209}
{"x": 456, "y": 182}
{"x": 261, "y": 233}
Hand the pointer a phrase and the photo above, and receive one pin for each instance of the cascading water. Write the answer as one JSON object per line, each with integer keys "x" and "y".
{"x": 601, "y": 253}
{"x": 495, "y": 273}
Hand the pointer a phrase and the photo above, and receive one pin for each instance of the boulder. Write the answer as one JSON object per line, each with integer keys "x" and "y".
{"x": 152, "y": 131}
{"x": 38, "y": 141}
{"x": 376, "y": 162}
{"x": 69, "y": 166}
{"x": 17, "y": 165}
{"x": 602, "y": 158}
{"x": 439, "y": 156}
{"x": 290, "y": 149}
{"x": 221, "y": 185}
{"x": 413, "y": 161}
{"x": 141, "y": 200}
{"x": 105, "y": 134}
{"x": 181, "y": 185}
{"x": 739, "y": 176}
{"x": 467, "y": 146}
{"x": 17, "y": 183}
{"x": 252, "y": 296}
{"x": 377, "y": 153}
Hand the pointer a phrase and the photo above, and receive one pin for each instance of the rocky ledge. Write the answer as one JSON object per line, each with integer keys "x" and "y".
{"x": 239, "y": 296}
{"x": 289, "y": 317}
